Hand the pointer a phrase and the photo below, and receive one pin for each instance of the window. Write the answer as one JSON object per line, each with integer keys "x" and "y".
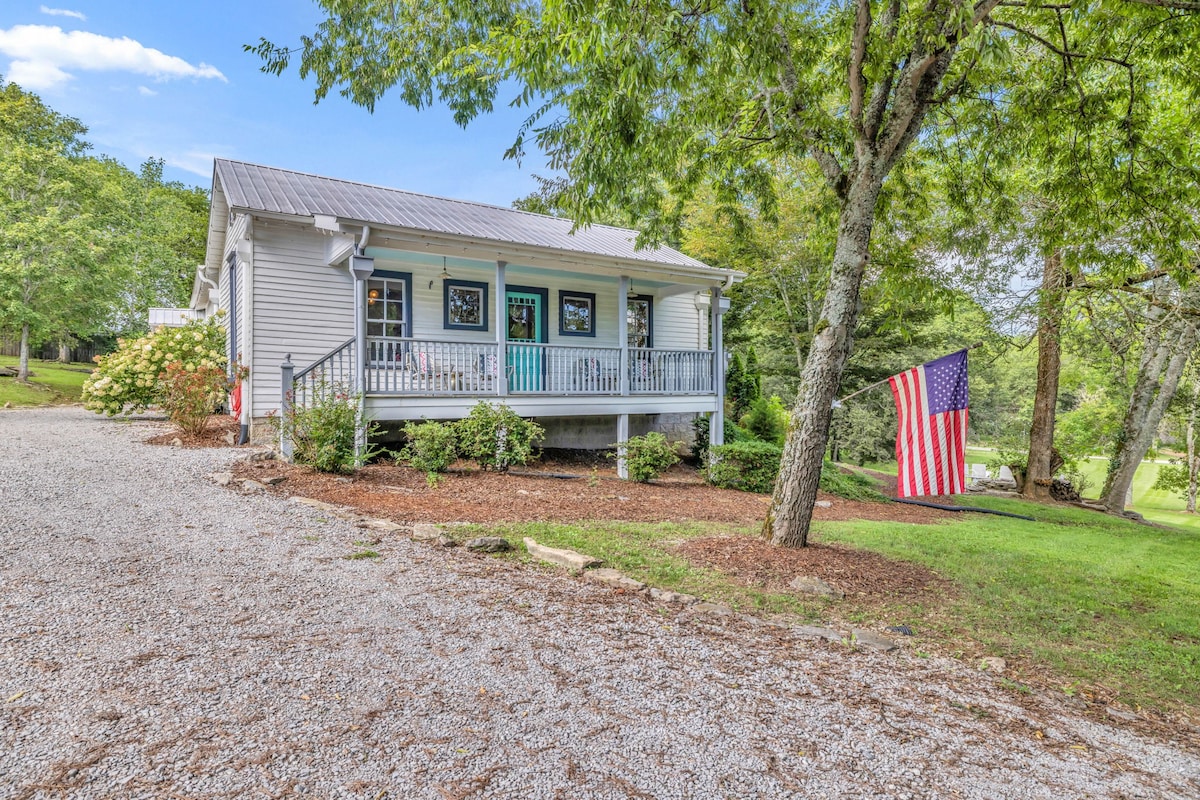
{"x": 389, "y": 309}
{"x": 465, "y": 305}
{"x": 640, "y": 317}
{"x": 576, "y": 314}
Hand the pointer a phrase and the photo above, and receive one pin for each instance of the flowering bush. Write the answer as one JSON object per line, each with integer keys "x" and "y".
{"x": 496, "y": 437}
{"x": 189, "y": 396}
{"x": 323, "y": 432}
{"x": 129, "y": 380}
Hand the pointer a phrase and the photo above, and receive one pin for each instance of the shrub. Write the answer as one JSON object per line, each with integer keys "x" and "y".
{"x": 849, "y": 485}
{"x": 189, "y": 396}
{"x": 129, "y": 380}
{"x": 323, "y": 433}
{"x": 496, "y": 437}
{"x": 751, "y": 466}
{"x": 701, "y": 426}
{"x": 431, "y": 448}
{"x": 647, "y": 457}
{"x": 767, "y": 419}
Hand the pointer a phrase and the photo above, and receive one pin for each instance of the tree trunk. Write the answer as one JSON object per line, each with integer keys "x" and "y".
{"x": 23, "y": 357}
{"x": 790, "y": 515}
{"x": 1139, "y": 432}
{"x": 1038, "y": 467}
{"x": 1193, "y": 461}
{"x": 64, "y": 353}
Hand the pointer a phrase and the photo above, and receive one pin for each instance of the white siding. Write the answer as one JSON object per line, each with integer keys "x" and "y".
{"x": 301, "y": 305}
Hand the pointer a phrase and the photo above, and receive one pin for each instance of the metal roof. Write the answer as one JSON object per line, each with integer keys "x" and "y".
{"x": 252, "y": 187}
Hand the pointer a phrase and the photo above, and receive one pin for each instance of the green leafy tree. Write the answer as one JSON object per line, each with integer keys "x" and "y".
{"x": 642, "y": 103}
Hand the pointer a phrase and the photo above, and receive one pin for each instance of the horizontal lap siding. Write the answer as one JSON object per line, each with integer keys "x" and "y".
{"x": 678, "y": 324}
{"x": 301, "y": 306}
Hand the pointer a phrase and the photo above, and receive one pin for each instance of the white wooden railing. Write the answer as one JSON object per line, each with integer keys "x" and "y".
{"x": 431, "y": 367}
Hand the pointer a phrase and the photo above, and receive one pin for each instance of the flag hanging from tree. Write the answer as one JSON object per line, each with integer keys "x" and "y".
{"x": 931, "y": 445}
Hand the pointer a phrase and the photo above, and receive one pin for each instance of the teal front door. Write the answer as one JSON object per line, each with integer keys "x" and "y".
{"x": 526, "y": 330}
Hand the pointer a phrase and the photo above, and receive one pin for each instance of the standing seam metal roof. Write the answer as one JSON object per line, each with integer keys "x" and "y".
{"x": 253, "y": 187}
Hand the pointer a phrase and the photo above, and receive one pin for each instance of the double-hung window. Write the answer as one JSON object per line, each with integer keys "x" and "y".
{"x": 389, "y": 315}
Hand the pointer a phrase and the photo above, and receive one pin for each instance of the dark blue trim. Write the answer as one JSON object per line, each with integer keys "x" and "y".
{"x": 446, "y": 286}
{"x": 649, "y": 316}
{"x": 563, "y": 294}
{"x": 544, "y": 294}
{"x": 408, "y": 298}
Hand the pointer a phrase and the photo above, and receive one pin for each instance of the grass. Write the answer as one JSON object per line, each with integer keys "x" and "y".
{"x": 1093, "y": 601}
{"x": 50, "y": 383}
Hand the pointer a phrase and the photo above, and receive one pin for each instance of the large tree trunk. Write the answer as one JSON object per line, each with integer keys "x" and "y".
{"x": 1193, "y": 461}
{"x": 788, "y": 520}
{"x": 64, "y": 353}
{"x": 1139, "y": 432}
{"x": 1039, "y": 466}
{"x": 23, "y": 356}
{"x": 1156, "y": 348}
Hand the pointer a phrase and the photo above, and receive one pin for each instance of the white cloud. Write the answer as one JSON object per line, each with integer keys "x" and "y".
{"x": 144, "y": 91}
{"x": 196, "y": 162}
{"x": 62, "y": 12}
{"x": 42, "y": 54}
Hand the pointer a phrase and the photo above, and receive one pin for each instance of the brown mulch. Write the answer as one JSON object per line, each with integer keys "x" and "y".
{"x": 857, "y": 573}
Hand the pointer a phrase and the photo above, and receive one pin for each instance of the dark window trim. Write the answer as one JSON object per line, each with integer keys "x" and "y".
{"x": 408, "y": 298}
{"x": 545, "y": 315}
{"x": 563, "y": 294}
{"x": 649, "y": 316}
{"x": 458, "y": 326}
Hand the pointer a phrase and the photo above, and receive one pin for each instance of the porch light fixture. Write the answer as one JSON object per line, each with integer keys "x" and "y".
{"x": 445, "y": 273}
{"x": 631, "y": 292}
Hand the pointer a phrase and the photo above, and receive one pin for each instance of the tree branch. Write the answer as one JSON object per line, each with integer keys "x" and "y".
{"x": 834, "y": 174}
{"x": 1175, "y": 5}
{"x": 858, "y": 53}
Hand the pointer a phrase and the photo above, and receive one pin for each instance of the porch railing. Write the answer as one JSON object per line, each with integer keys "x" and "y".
{"x": 431, "y": 367}
{"x": 334, "y": 372}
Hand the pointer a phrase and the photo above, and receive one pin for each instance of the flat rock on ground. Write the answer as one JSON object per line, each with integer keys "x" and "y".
{"x": 161, "y": 636}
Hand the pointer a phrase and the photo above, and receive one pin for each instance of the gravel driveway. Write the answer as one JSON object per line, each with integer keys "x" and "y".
{"x": 162, "y": 637}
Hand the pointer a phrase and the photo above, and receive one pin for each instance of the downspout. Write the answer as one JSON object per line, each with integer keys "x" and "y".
{"x": 360, "y": 343}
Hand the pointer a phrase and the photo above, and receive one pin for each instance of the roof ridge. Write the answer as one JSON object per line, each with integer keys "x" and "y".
{"x": 475, "y": 203}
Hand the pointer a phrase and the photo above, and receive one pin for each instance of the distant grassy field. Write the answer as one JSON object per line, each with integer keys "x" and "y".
{"x": 50, "y": 383}
{"x": 1153, "y": 504}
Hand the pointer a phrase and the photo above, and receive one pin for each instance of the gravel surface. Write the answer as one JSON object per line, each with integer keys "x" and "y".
{"x": 162, "y": 637}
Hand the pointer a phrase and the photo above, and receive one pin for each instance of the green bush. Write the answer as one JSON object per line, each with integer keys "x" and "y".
{"x": 190, "y": 396}
{"x": 323, "y": 433}
{"x": 495, "y": 437}
{"x": 701, "y": 426}
{"x": 647, "y": 457}
{"x": 751, "y": 466}
{"x": 129, "y": 380}
{"x": 767, "y": 419}
{"x": 848, "y": 485}
{"x": 431, "y": 448}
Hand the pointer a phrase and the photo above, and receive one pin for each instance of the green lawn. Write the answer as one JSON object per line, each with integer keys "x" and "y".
{"x": 1078, "y": 598}
{"x": 51, "y": 383}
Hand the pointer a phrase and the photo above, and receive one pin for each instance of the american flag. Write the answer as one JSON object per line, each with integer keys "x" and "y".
{"x": 931, "y": 445}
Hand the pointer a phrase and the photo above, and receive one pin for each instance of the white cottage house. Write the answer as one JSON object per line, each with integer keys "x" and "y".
{"x": 427, "y": 306}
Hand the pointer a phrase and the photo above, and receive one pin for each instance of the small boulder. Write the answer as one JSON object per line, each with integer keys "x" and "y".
{"x": 613, "y": 578}
{"x": 231, "y": 438}
{"x": 384, "y": 525}
{"x": 993, "y": 664}
{"x": 177, "y": 442}
{"x": 274, "y": 480}
{"x": 446, "y": 541}
{"x": 424, "y": 532}
{"x": 872, "y": 640}
{"x": 667, "y": 596}
{"x": 253, "y": 486}
{"x": 261, "y": 455}
{"x": 222, "y": 478}
{"x": 823, "y": 504}
{"x": 564, "y": 558}
{"x": 713, "y": 608}
{"x": 489, "y": 544}
{"x": 808, "y": 584}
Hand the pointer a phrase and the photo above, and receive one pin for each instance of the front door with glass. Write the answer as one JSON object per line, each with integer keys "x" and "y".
{"x": 387, "y": 318}
{"x": 526, "y": 329}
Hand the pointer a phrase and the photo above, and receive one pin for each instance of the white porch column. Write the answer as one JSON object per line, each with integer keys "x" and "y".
{"x": 622, "y": 438}
{"x": 361, "y": 267}
{"x": 501, "y": 330}
{"x": 623, "y": 338}
{"x": 716, "y": 427}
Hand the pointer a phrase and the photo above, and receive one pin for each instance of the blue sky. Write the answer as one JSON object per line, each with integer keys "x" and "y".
{"x": 170, "y": 80}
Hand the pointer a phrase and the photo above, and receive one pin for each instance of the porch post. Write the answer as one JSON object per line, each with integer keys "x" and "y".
{"x": 501, "y": 330}
{"x": 623, "y": 337}
{"x": 622, "y": 438}
{"x": 288, "y": 371}
{"x": 716, "y": 426}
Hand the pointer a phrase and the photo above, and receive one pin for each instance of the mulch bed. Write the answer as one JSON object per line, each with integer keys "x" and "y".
{"x": 215, "y": 435}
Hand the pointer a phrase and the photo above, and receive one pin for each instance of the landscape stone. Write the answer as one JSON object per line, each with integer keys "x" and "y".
{"x": 317, "y": 504}
{"x": 613, "y": 578}
{"x": 817, "y": 632}
{"x": 667, "y": 596}
{"x": 384, "y": 525}
{"x": 565, "y": 558}
{"x": 177, "y": 442}
{"x": 231, "y": 438}
{"x": 873, "y": 640}
{"x": 261, "y": 455}
{"x": 712, "y": 608}
{"x": 812, "y": 585}
{"x": 993, "y": 664}
{"x": 252, "y": 486}
{"x": 446, "y": 541}
{"x": 425, "y": 532}
{"x": 274, "y": 480}
{"x": 222, "y": 478}
{"x": 489, "y": 544}
{"x": 823, "y": 504}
